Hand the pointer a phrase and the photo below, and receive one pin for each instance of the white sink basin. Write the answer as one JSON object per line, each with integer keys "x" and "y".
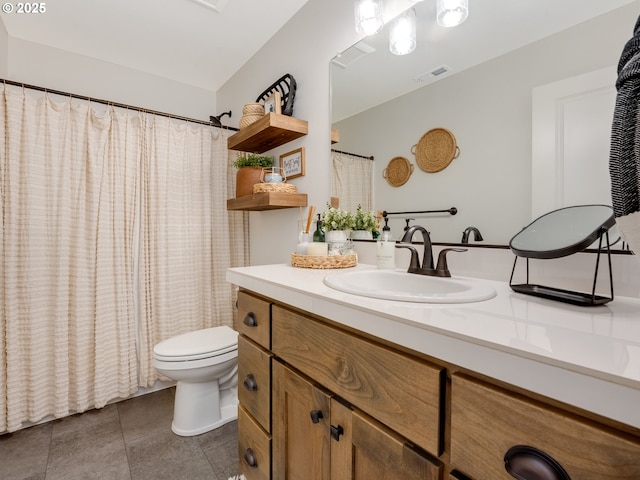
{"x": 409, "y": 287}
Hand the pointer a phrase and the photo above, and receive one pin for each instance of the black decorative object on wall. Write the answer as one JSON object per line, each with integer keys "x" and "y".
{"x": 286, "y": 86}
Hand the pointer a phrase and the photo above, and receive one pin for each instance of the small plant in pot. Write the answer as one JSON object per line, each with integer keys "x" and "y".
{"x": 249, "y": 169}
{"x": 336, "y": 224}
{"x": 364, "y": 225}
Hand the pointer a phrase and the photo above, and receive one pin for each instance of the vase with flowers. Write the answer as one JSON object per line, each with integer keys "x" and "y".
{"x": 364, "y": 225}
{"x": 337, "y": 224}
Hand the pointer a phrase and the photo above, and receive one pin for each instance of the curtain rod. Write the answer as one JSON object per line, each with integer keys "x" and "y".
{"x": 353, "y": 154}
{"x": 115, "y": 104}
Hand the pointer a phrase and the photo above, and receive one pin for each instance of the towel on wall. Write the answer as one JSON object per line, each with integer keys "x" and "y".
{"x": 624, "y": 157}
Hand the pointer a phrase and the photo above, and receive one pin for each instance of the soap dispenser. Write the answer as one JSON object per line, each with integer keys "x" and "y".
{"x": 386, "y": 248}
{"x": 318, "y": 235}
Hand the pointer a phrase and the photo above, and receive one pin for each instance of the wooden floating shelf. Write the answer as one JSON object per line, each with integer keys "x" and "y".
{"x": 269, "y": 132}
{"x": 267, "y": 201}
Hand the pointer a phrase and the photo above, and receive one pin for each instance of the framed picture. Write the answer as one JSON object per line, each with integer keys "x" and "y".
{"x": 273, "y": 103}
{"x": 292, "y": 163}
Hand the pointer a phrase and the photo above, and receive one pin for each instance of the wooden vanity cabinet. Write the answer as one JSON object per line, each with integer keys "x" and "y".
{"x": 487, "y": 421}
{"x": 325, "y": 402}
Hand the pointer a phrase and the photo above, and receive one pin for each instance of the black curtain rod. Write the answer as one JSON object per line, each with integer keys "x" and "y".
{"x": 353, "y": 154}
{"x": 115, "y": 104}
{"x": 451, "y": 211}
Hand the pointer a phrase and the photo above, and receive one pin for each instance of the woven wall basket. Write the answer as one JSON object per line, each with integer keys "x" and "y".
{"x": 435, "y": 150}
{"x": 398, "y": 171}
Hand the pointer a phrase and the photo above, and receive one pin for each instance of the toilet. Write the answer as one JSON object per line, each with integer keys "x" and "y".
{"x": 205, "y": 365}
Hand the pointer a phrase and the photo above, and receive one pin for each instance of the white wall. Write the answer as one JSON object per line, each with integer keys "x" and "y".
{"x": 303, "y": 48}
{"x": 4, "y": 50}
{"x": 488, "y": 109}
{"x": 43, "y": 66}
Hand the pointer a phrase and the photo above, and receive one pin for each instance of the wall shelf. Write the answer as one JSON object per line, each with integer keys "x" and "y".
{"x": 269, "y": 132}
{"x": 267, "y": 201}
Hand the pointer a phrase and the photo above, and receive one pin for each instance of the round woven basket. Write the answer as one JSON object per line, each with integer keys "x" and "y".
{"x": 435, "y": 150}
{"x": 274, "y": 187}
{"x": 253, "y": 109}
{"x": 329, "y": 261}
{"x": 247, "y": 120}
{"x": 398, "y": 171}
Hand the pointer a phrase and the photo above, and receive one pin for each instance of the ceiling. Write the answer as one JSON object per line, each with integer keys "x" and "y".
{"x": 184, "y": 40}
{"x": 493, "y": 28}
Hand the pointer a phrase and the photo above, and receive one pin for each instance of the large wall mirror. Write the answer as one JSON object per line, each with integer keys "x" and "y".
{"x": 527, "y": 88}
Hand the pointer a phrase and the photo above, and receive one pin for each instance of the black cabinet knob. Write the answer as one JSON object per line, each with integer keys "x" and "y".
{"x": 335, "y": 432}
{"x": 316, "y": 415}
{"x": 528, "y": 463}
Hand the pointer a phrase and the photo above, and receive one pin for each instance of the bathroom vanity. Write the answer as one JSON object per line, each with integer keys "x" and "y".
{"x": 335, "y": 385}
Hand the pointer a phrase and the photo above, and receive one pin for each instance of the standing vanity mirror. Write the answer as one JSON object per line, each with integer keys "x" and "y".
{"x": 561, "y": 233}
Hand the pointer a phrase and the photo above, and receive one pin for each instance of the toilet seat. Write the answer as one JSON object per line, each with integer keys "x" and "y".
{"x": 196, "y": 345}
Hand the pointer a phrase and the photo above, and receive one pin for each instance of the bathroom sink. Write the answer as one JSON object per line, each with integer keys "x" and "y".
{"x": 409, "y": 287}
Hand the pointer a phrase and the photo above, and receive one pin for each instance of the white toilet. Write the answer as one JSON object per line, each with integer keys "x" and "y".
{"x": 205, "y": 365}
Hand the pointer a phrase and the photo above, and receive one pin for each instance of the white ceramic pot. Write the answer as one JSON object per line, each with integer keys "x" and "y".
{"x": 336, "y": 236}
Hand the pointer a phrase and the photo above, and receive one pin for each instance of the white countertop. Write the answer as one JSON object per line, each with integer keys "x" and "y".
{"x": 584, "y": 356}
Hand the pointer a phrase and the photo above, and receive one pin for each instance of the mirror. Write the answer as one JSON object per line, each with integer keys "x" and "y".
{"x": 558, "y": 234}
{"x": 526, "y": 88}
{"x": 563, "y": 232}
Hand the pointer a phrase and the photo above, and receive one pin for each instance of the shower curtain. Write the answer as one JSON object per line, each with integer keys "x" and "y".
{"x": 351, "y": 181}
{"x": 115, "y": 236}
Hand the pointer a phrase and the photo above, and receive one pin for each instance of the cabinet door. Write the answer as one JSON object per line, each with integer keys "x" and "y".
{"x": 382, "y": 454}
{"x": 301, "y": 415}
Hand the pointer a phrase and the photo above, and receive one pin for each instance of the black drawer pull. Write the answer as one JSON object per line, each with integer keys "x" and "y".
{"x": 250, "y": 320}
{"x": 250, "y": 383}
{"x": 250, "y": 458}
{"x": 316, "y": 415}
{"x": 528, "y": 463}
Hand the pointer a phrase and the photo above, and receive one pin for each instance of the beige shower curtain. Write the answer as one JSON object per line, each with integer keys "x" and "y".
{"x": 93, "y": 207}
{"x": 351, "y": 181}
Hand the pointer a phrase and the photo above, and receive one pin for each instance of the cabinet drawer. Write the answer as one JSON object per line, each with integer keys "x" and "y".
{"x": 254, "y": 381}
{"x": 402, "y": 392}
{"x": 254, "y": 448}
{"x": 486, "y": 422}
{"x": 254, "y": 319}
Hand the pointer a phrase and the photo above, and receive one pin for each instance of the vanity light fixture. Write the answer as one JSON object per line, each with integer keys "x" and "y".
{"x": 368, "y": 14}
{"x": 452, "y": 12}
{"x": 402, "y": 33}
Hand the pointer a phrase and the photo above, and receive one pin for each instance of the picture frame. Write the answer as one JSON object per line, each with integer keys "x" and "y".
{"x": 273, "y": 104}
{"x": 292, "y": 163}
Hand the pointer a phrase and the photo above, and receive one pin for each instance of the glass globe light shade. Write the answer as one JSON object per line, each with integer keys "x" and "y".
{"x": 402, "y": 33}
{"x": 452, "y": 12}
{"x": 368, "y": 16}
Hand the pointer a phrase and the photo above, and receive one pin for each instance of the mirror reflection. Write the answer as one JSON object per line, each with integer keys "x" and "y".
{"x": 527, "y": 91}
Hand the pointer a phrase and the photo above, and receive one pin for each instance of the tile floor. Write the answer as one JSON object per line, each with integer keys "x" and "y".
{"x": 129, "y": 440}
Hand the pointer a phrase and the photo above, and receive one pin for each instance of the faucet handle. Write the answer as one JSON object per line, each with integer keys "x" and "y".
{"x": 442, "y": 269}
{"x": 414, "y": 264}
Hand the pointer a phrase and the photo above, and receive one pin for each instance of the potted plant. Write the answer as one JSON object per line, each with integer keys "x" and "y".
{"x": 336, "y": 224}
{"x": 249, "y": 169}
{"x": 364, "y": 225}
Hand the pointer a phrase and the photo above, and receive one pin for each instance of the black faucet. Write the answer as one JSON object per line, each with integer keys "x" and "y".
{"x": 477, "y": 236}
{"x": 442, "y": 270}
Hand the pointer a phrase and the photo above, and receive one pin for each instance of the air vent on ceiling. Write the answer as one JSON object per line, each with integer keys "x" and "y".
{"x": 438, "y": 72}
{"x": 352, "y": 54}
{"x": 215, "y": 5}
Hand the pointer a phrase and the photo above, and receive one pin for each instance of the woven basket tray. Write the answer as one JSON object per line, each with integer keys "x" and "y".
{"x": 274, "y": 187}
{"x": 329, "y": 261}
{"x": 435, "y": 150}
{"x": 398, "y": 171}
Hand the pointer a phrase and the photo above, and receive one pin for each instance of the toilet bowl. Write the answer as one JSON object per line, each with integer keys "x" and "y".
{"x": 205, "y": 365}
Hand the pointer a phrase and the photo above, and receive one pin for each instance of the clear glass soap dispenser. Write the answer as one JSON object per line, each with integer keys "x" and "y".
{"x": 386, "y": 248}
